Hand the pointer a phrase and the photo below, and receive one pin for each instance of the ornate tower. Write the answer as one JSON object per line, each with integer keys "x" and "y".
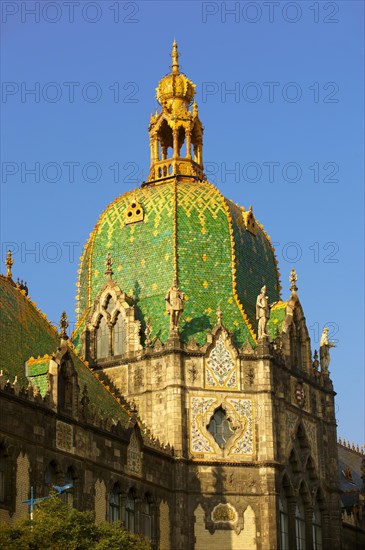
{"x": 188, "y": 323}
{"x": 175, "y": 127}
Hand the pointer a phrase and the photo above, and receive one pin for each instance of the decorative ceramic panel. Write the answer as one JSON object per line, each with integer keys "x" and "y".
{"x": 240, "y": 414}
{"x": 244, "y": 445}
{"x": 220, "y": 368}
{"x": 201, "y": 441}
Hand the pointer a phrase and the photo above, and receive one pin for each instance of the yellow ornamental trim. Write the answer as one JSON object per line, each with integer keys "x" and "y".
{"x": 40, "y": 359}
{"x": 280, "y": 305}
{"x": 234, "y": 283}
{"x": 276, "y": 263}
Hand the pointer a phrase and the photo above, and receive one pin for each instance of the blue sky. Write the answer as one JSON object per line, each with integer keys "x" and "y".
{"x": 288, "y": 139}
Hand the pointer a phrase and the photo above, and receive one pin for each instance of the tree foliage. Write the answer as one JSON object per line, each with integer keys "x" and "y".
{"x": 56, "y": 526}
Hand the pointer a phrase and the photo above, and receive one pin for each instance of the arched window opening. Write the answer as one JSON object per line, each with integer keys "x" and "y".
{"x": 130, "y": 511}
{"x": 2, "y": 474}
{"x": 110, "y": 305}
{"x": 221, "y": 428}
{"x": 317, "y": 529}
{"x": 69, "y": 495}
{"x": 65, "y": 388}
{"x": 102, "y": 339}
{"x": 182, "y": 143}
{"x": 119, "y": 336}
{"x": 298, "y": 350}
{"x": 50, "y": 476}
{"x": 284, "y": 523}
{"x": 146, "y": 518}
{"x": 300, "y": 526}
{"x": 293, "y": 348}
{"x": 115, "y": 504}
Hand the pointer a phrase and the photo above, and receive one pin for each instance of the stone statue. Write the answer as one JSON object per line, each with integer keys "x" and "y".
{"x": 262, "y": 313}
{"x": 174, "y": 306}
{"x": 324, "y": 351}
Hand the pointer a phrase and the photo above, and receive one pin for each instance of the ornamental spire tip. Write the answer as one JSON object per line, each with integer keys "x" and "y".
{"x": 175, "y": 58}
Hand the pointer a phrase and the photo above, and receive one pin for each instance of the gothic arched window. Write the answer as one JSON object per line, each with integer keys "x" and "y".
{"x": 115, "y": 504}
{"x": 2, "y": 474}
{"x": 65, "y": 388}
{"x": 130, "y": 511}
{"x": 220, "y": 427}
{"x": 50, "y": 476}
{"x": 146, "y": 518}
{"x": 298, "y": 343}
{"x": 317, "y": 529}
{"x": 69, "y": 495}
{"x": 119, "y": 336}
{"x": 284, "y": 523}
{"x": 102, "y": 339}
{"x": 300, "y": 526}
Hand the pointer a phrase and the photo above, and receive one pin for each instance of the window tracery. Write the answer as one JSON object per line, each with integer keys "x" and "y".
{"x": 130, "y": 512}
{"x": 115, "y": 504}
{"x": 2, "y": 474}
{"x": 221, "y": 428}
{"x": 112, "y": 329}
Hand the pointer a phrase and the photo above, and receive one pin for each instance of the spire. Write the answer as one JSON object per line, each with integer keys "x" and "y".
{"x": 9, "y": 263}
{"x": 293, "y": 279}
{"x": 64, "y": 326}
{"x": 108, "y": 264}
{"x": 219, "y": 315}
{"x": 175, "y": 58}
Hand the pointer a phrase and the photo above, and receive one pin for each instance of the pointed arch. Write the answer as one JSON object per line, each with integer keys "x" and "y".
{"x": 3, "y": 473}
{"x": 221, "y": 361}
{"x": 119, "y": 335}
{"x": 111, "y": 328}
{"x": 67, "y": 386}
{"x": 297, "y": 342}
{"x": 115, "y": 503}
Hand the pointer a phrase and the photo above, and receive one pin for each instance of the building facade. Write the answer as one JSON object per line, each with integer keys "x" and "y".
{"x": 188, "y": 403}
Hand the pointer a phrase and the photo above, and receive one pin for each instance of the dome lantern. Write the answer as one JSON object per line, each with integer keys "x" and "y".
{"x": 176, "y": 133}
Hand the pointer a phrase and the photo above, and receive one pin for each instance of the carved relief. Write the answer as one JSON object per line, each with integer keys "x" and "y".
{"x": 192, "y": 373}
{"x": 250, "y": 375}
{"x": 157, "y": 373}
{"x": 134, "y": 462}
{"x": 310, "y": 432}
{"x": 64, "y": 436}
{"x": 137, "y": 378}
{"x": 290, "y": 426}
{"x": 224, "y": 512}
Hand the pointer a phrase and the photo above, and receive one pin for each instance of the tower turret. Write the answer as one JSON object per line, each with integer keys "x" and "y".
{"x": 176, "y": 133}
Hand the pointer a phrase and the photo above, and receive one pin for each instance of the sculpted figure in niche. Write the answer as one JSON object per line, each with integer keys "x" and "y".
{"x": 262, "y": 313}
{"x": 174, "y": 306}
{"x": 324, "y": 351}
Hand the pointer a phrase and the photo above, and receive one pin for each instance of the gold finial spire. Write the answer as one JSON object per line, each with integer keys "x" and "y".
{"x": 175, "y": 58}
{"x": 181, "y": 126}
{"x": 219, "y": 315}
{"x": 108, "y": 265}
{"x": 293, "y": 279}
{"x": 9, "y": 263}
